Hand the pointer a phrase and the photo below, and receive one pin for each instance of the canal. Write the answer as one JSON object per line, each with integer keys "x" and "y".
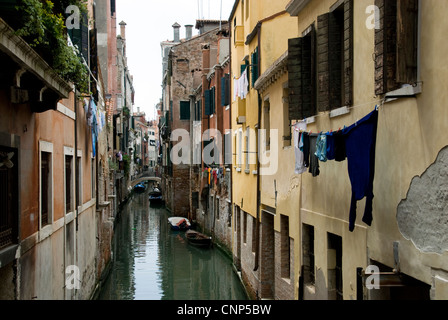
{"x": 152, "y": 262}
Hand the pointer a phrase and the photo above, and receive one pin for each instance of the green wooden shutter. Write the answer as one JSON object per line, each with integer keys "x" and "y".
{"x": 207, "y": 103}
{"x": 255, "y": 67}
{"x": 225, "y": 90}
{"x": 184, "y": 110}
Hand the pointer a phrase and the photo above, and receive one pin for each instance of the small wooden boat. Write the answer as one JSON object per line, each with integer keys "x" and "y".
{"x": 198, "y": 239}
{"x": 140, "y": 188}
{"x": 155, "y": 195}
{"x": 179, "y": 223}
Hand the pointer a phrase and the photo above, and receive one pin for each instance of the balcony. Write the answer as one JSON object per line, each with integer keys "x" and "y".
{"x": 26, "y": 75}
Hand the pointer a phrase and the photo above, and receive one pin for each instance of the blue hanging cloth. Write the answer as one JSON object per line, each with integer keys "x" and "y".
{"x": 360, "y": 143}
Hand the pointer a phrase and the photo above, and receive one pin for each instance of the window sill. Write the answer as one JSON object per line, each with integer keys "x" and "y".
{"x": 7, "y": 255}
{"x": 45, "y": 232}
{"x": 310, "y": 288}
{"x": 407, "y": 91}
{"x": 339, "y": 112}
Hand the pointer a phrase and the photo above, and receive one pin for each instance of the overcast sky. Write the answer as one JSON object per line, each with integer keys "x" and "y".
{"x": 148, "y": 23}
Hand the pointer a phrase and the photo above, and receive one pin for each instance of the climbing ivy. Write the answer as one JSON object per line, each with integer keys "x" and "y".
{"x": 43, "y": 27}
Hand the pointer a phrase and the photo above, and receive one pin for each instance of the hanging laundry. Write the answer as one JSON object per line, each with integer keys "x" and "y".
{"x": 336, "y": 146}
{"x": 304, "y": 146}
{"x": 215, "y": 176}
{"x": 298, "y": 130}
{"x": 321, "y": 147}
{"x": 236, "y": 87}
{"x": 360, "y": 143}
{"x": 314, "y": 161}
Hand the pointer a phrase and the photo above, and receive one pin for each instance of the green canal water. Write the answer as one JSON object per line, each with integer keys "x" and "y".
{"x": 152, "y": 262}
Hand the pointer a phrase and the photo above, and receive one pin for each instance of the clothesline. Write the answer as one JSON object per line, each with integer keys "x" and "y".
{"x": 379, "y": 105}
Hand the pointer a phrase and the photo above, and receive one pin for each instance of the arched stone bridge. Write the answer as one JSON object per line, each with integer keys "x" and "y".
{"x": 148, "y": 178}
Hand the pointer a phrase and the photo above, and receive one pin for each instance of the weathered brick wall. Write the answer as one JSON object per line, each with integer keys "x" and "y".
{"x": 284, "y": 287}
{"x": 250, "y": 277}
{"x": 181, "y": 191}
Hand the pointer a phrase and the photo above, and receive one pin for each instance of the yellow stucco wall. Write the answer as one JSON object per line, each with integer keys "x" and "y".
{"x": 411, "y": 133}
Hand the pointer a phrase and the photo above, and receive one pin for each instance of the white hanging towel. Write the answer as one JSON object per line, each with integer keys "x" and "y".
{"x": 298, "y": 129}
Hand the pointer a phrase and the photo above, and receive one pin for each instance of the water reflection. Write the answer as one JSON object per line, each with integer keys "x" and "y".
{"x": 152, "y": 262}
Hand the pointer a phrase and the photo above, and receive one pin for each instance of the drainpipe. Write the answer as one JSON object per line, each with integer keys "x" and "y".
{"x": 257, "y": 251}
{"x": 76, "y": 163}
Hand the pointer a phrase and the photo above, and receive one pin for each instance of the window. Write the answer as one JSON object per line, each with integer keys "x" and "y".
{"x": 227, "y": 148}
{"x": 198, "y": 111}
{"x": 185, "y": 110}
{"x": 229, "y": 214}
{"x": 302, "y": 76}
{"x": 285, "y": 247}
{"x": 9, "y": 196}
{"x": 247, "y": 137}
{"x": 68, "y": 183}
{"x": 396, "y": 45}
{"x": 209, "y": 97}
{"x": 308, "y": 254}
{"x": 334, "y": 256}
{"x": 244, "y": 227}
{"x": 335, "y": 57}
{"x": 240, "y": 147}
{"x": 79, "y": 180}
{"x": 216, "y": 206}
{"x": 225, "y": 90}
{"x": 92, "y": 176}
{"x": 254, "y": 234}
{"x": 45, "y": 189}
{"x": 267, "y": 124}
{"x": 287, "y": 136}
{"x": 254, "y": 70}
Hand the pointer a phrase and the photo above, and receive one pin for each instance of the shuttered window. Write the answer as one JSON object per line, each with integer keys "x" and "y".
{"x": 198, "y": 111}
{"x": 80, "y": 37}
{"x": 185, "y": 110}
{"x": 335, "y": 57}
{"x": 302, "y": 76}
{"x": 225, "y": 90}
{"x": 396, "y": 45}
{"x": 254, "y": 71}
{"x": 209, "y": 96}
{"x": 207, "y": 102}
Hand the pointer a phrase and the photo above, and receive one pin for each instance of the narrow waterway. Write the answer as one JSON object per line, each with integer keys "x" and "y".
{"x": 152, "y": 262}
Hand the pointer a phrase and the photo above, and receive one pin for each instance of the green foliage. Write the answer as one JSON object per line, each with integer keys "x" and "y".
{"x": 43, "y": 27}
{"x": 127, "y": 164}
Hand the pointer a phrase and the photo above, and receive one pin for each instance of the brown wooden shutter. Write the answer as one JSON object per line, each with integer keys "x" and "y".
{"x": 295, "y": 77}
{"x": 407, "y": 41}
{"x": 385, "y": 47}
{"x": 323, "y": 71}
{"x": 329, "y": 61}
{"x": 301, "y": 76}
{"x": 348, "y": 53}
{"x": 308, "y": 75}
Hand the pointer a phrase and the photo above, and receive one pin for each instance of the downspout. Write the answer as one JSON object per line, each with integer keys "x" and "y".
{"x": 257, "y": 251}
{"x": 76, "y": 162}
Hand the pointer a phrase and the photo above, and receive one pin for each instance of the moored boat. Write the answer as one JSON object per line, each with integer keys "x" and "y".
{"x": 155, "y": 195}
{"x": 140, "y": 188}
{"x": 198, "y": 239}
{"x": 179, "y": 223}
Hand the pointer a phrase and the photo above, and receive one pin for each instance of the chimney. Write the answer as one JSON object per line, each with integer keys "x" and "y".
{"x": 176, "y": 27}
{"x": 189, "y": 31}
{"x": 123, "y": 30}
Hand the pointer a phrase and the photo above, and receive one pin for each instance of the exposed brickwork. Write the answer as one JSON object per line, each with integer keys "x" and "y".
{"x": 284, "y": 286}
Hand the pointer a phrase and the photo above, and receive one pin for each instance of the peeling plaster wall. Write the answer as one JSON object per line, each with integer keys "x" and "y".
{"x": 423, "y": 216}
